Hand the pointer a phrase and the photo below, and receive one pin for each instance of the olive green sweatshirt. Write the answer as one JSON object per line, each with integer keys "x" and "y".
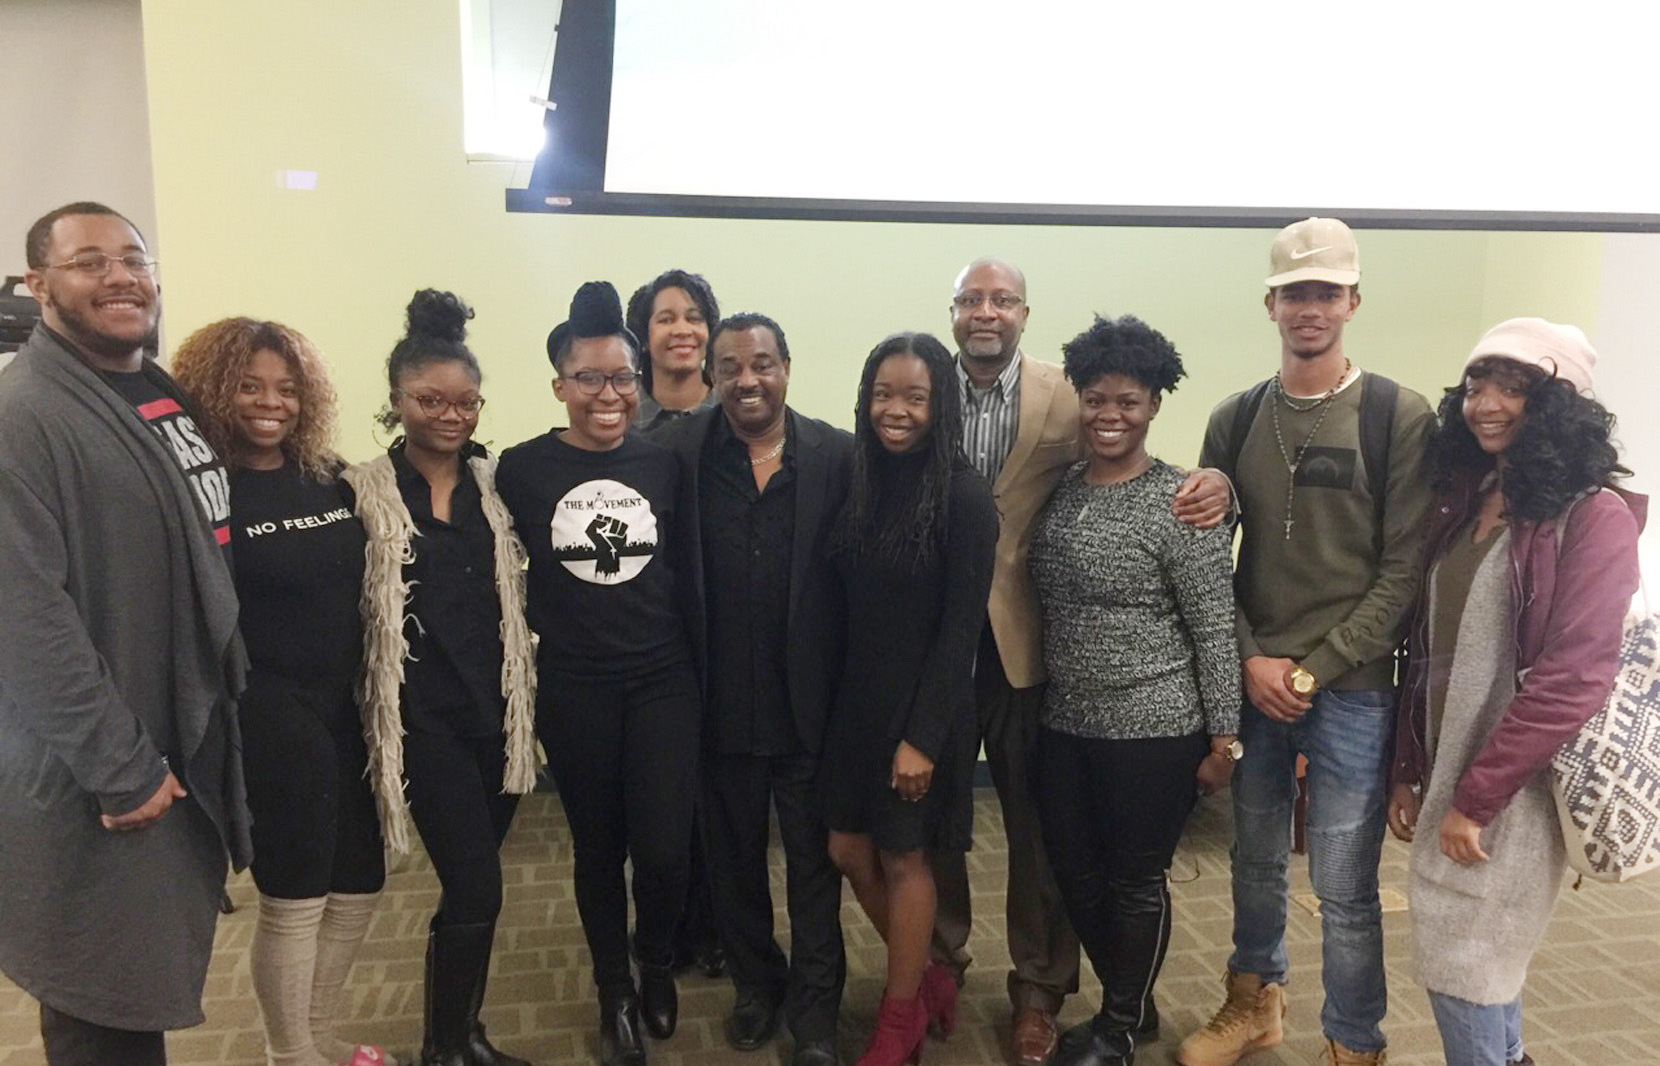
{"x": 1336, "y": 596}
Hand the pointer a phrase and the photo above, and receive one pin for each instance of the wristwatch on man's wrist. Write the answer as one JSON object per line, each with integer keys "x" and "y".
{"x": 1303, "y": 683}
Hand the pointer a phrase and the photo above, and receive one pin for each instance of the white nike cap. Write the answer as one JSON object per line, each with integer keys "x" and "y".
{"x": 1315, "y": 249}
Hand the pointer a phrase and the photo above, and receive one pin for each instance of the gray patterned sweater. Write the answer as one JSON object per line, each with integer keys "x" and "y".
{"x": 1138, "y": 612}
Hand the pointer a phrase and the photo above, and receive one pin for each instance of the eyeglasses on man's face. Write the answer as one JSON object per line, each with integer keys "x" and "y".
{"x": 433, "y": 406}
{"x": 592, "y": 382}
{"x": 97, "y": 264}
{"x": 1000, "y": 301}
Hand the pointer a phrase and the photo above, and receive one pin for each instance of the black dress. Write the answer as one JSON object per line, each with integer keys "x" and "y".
{"x": 911, "y": 640}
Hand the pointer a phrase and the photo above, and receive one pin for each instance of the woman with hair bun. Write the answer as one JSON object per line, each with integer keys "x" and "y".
{"x": 620, "y": 708}
{"x": 1530, "y": 562}
{"x": 449, "y": 679}
{"x": 266, "y": 404}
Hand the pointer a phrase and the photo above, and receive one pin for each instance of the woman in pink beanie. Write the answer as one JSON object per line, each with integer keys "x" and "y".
{"x": 1530, "y": 562}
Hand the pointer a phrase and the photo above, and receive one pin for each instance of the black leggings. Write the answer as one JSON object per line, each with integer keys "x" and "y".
{"x": 315, "y": 829}
{"x": 455, "y": 797}
{"x": 624, "y": 754}
{"x": 1112, "y": 814}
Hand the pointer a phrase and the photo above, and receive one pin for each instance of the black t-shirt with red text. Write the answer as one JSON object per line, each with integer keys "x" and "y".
{"x": 161, "y": 405}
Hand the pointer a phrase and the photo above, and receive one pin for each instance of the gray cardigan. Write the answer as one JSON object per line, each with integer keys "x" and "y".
{"x": 118, "y": 646}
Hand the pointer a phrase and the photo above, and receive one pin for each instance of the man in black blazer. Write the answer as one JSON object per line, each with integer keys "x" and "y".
{"x": 764, "y": 485}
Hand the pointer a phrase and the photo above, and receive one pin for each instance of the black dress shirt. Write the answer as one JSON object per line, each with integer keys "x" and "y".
{"x": 747, "y": 536}
{"x": 452, "y": 680}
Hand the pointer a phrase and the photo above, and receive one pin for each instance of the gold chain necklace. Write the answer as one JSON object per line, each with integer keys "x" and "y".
{"x": 1295, "y": 460}
{"x": 772, "y": 453}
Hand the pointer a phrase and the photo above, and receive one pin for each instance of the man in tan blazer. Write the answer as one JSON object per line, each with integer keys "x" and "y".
{"x": 1021, "y": 430}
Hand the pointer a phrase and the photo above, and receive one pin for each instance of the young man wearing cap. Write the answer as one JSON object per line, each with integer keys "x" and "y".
{"x": 1328, "y": 461}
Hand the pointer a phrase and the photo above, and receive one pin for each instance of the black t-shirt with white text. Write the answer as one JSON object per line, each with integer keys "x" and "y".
{"x": 160, "y": 404}
{"x": 299, "y": 575}
{"x": 598, "y": 527}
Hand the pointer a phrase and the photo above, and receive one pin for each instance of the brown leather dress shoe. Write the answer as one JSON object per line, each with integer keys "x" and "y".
{"x": 1035, "y": 1035}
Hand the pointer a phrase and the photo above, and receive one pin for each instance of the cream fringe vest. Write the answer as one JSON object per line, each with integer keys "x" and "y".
{"x": 385, "y": 595}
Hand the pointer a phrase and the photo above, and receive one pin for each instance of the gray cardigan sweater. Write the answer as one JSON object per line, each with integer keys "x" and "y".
{"x": 118, "y": 646}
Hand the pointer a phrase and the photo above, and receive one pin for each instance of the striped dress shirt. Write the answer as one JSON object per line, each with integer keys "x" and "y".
{"x": 991, "y": 418}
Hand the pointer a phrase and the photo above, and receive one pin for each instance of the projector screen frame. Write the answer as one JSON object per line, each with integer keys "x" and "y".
{"x": 568, "y": 176}
{"x": 660, "y": 205}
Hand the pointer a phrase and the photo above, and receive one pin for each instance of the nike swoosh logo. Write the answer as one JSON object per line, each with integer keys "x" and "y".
{"x": 1311, "y": 251}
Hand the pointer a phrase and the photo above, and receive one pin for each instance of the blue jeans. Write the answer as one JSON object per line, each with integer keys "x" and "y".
{"x": 1346, "y": 738}
{"x": 1478, "y": 1034}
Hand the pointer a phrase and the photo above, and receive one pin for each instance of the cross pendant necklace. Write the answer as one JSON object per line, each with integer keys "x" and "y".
{"x": 1293, "y": 460}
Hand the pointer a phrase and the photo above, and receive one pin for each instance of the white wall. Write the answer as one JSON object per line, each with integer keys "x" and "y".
{"x": 77, "y": 122}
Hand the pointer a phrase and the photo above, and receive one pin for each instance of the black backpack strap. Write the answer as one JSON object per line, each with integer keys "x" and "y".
{"x": 1377, "y": 424}
{"x": 1250, "y": 402}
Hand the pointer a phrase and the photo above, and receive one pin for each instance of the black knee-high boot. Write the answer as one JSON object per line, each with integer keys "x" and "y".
{"x": 483, "y": 1053}
{"x": 454, "y": 955}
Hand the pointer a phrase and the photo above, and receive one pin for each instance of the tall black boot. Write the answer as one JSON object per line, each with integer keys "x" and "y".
{"x": 453, "y": 955}
{"x": 621, "y": 1043}
{"x": 483, "y": 1053}
{"x": 1136, "y": 935}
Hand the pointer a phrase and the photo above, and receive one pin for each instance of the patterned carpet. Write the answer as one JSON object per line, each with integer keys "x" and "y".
{"x": 1593, "y": 996}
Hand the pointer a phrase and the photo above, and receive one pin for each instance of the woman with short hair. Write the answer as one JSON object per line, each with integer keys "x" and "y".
{"x": 1143, "y": 698}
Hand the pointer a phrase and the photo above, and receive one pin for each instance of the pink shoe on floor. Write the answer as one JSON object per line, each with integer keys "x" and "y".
{"x": 939, "y": 995}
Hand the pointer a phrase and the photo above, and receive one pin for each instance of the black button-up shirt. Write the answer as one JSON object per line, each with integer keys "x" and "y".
{"x": 452, "y": 680}
{"x": 747, "y": 535}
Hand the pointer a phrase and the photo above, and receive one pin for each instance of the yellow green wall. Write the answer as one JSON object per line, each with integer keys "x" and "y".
{"x": 367, "y": 93}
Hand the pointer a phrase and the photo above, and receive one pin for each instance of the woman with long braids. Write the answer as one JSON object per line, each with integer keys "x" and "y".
{"x": 620, "y": 710}
{"x": 449, "y": 679}
{"x": 1530, "y": 563}
{"x": 914, "y": 546}
{"x": 267, "y": 406}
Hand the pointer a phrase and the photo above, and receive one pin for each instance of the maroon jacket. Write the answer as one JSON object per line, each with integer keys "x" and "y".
{"x": 1570, "y": 611}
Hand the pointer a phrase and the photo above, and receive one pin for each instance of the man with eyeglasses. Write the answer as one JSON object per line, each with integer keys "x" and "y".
{"x": 1021, "y": 430}
{"x": 766, "y": 484}
{"x": 120, "y": 781}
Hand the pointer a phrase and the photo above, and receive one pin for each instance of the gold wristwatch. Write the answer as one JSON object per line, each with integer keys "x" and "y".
{"x": 1235, "y": 750}
{"x": 1303, "y": 682}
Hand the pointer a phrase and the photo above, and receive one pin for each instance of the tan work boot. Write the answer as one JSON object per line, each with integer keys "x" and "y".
{"x": 1338, "y": 1055}
{"x": 1249, "y": 1020}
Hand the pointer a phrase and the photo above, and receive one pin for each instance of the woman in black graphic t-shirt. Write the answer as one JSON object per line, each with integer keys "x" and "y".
{"x": 618, "y": 709}
{"x": 266, "y": 405}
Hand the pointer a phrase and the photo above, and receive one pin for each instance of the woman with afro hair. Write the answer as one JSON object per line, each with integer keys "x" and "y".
{"x": 1143, "y": 698}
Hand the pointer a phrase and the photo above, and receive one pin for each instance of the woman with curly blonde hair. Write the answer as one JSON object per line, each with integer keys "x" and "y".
{"x": 267, "y": 406}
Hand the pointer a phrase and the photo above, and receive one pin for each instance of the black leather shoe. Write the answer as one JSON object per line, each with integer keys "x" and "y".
{"x": 1088, "y": 1045}
{"x": 710, "y": 960}
{"x": 659, "y": 1000}
{"x": 620, "y": 1039}
{"x": 815, "y": 1053}
{"x": 753, "y": 1021}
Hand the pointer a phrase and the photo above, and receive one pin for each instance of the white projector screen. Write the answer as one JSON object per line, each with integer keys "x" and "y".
{"x": 1404, "y": 108}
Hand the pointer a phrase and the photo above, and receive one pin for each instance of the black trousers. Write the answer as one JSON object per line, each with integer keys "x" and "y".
{"x": 624, "y": 754}
{"x": 1112, "y": 814}
{"x": 739, "y": 792}
{"x": 71, "y": 1041}
{"x": 315, "y": 829}
{"x": 455, "y": 798}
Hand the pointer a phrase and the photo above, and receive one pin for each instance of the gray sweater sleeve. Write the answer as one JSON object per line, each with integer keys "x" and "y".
{"x": 53, "y": 683}
{"x": 1199, "y": 568}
